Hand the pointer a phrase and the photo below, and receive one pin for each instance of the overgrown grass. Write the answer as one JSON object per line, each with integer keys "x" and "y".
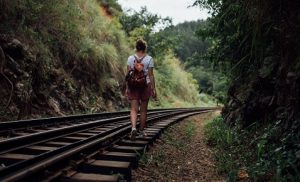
{"x": 75, "y": 38}
{"x": 176, "y": 87}
{"x": 252, "y": 150}
{"x": 76, "y": 32}
{"x": 222, "y": 138}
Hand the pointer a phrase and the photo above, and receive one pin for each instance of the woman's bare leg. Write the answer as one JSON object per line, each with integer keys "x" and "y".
{"x": 144, "y": 108}
{"x": 134, "y": 112}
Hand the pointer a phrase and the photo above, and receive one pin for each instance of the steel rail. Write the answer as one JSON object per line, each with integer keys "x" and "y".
{"x": 13, "y": 129}
{"x": 44, "y": 160}
{"x": 21, "y": 141}
{"x": 22, "y": 169}
{"x": 23, "y": 124}
{"x": 61, "y": 173}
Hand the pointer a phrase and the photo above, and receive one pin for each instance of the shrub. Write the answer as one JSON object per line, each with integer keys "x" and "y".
{"x": 176, "y": 87}
{"x": 262, "y": 158}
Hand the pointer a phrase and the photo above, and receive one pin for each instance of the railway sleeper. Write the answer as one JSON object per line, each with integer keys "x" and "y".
{"x": 119, "y": 156}
{"x": 35, "y": 150}
{"x": 112, "y": 164}
{"x": 88, "y": 134}
{"x": 11, "y": 158}
{"x": 90, "y": 177}
{"x": 57, "y": 143}
{"x": 149, "y": 139}
{"x": 120, "y": 168}
{"x": 127, "y": 149}
{"x": 136, "y": 143}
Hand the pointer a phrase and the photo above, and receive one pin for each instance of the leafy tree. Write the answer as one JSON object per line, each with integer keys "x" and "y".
{"x": 192, "y": 52}
{"x": 141, "y": 19}
{"x": 256, "y": 44}
{"x": 143, "y": 24}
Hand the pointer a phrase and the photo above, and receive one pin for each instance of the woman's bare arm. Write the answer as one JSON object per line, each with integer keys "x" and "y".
{"x": 152, "y": 81}
{"x": 128, "y": 69}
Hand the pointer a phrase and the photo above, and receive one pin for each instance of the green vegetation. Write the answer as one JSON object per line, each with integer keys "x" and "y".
{"x": 255, "y": 44}
{"x": 176, "y": 87}
{"x": 222, "y": 138}
{"x": 62, "y": 57}
{"x": 73, "y": 31}
{"x": 191, "y": 51}
{"x": 261, "y": 158}
{"x": 67, "y": 57}
{"x": 76, "y": 53}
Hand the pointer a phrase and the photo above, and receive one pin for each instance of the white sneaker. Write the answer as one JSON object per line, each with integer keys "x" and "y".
{"x": 143, "y": 134}
{"x": 133, "y": 134}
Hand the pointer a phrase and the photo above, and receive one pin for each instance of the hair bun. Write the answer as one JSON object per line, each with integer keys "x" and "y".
{"x": 141, "y": 45}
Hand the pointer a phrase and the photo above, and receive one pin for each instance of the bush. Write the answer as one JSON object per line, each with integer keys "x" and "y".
{"x": 176, "y": 87}
{"x": 261, "y": 158}
{"x": 74, "y": 31}
{"x": 77, "y": 48}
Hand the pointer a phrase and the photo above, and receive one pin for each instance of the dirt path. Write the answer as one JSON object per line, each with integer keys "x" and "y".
{"x": 181, "y": 155}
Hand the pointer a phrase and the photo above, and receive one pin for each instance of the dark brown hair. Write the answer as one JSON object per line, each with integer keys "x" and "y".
{"x": 141, "y": 45}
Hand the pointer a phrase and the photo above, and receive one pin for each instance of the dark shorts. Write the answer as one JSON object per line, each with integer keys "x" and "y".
{"x": 139, "y": 94}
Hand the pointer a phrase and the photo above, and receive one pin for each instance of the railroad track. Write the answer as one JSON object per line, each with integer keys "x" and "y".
{"x": 12, "y": 129}
{"x": 92, "y": 147}
{"x": 20, "y": 133}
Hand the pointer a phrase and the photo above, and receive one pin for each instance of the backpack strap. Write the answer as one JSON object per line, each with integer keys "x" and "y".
{"x": 149, "y": 63}
{"x": 136, "y": 59}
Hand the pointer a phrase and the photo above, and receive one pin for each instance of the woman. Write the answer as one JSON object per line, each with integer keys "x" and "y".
{"x": 140, "y": 88}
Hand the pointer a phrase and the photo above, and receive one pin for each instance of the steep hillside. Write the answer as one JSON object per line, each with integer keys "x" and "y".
{"x": 59, "y": 57}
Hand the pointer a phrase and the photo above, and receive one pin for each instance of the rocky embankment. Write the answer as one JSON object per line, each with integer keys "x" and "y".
{"x": 31, "y": 88}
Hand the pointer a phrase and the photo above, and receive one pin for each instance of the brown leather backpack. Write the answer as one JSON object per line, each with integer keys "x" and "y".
{"x": 136, "y": 78}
